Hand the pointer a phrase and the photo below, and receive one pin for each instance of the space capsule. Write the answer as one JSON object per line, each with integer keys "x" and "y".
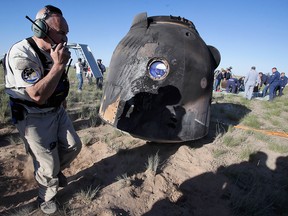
{"x": 160, "y": 81}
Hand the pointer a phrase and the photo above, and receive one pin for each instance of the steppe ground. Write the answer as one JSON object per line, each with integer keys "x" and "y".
{"x": 232, "y": 171}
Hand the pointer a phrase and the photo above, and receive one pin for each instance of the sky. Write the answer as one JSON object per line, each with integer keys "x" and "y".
{"x": 246, "y": 32}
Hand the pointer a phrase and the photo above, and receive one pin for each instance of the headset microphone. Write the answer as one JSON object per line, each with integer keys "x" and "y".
{"x": 68, "y": 66}
{"x": 40, "y": 32}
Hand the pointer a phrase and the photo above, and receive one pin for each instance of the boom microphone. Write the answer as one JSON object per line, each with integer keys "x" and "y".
{"x": 68, "y": 66}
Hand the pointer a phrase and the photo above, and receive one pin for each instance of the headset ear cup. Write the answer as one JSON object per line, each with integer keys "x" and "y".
{"x": 40, "y": 33}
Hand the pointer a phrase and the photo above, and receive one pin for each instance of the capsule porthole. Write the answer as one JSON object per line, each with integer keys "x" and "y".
{"x": 158, "y": 69}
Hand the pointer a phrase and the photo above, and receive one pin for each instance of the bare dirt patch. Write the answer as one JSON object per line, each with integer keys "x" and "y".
{"x": 229, "y": 172}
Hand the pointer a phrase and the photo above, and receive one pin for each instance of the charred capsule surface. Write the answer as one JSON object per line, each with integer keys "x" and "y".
{"x": 160, "y": 81}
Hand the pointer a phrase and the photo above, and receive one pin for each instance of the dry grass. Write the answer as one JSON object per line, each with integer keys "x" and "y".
{"x": 21, "y": 212}
{"x": 124, "y": 180}
{"x": 217, "y": 153}
{"x": 4, "y": 107}
{"x": 251, "y": 191}
{"x": 87, "y": 139}
{"x": 263, "y": 115}
{"x": 153, "y": 163}
{"x": 88, "y": 195}
{"x": 252, "y": 121}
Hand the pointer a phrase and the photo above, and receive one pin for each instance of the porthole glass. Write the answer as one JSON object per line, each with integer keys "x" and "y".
{"x": 158, "y": 69}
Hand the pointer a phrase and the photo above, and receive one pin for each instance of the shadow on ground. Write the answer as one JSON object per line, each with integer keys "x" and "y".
{"x": 132, "y": 161}
{"x": 247, "y": 188}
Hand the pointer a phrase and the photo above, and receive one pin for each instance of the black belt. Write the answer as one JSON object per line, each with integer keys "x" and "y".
{"x": 30, "y": 103}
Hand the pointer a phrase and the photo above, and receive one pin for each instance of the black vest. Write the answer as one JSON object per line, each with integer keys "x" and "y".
{"x": 62, "y": 89}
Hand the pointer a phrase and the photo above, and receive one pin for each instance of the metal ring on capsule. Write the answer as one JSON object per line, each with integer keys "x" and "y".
{"x": 158, "y": 68}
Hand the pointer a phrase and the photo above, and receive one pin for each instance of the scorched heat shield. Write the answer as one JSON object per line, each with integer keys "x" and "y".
{"x": 160, "y": 80}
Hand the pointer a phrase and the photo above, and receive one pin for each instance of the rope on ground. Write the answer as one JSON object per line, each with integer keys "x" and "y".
{"x": 267, "y": 132}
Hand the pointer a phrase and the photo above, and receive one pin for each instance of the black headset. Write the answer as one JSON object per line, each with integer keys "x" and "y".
{"x": 41, "y": 28}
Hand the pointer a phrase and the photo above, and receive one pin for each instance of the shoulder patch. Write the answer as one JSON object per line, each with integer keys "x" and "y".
{"x": 30, "y": 76}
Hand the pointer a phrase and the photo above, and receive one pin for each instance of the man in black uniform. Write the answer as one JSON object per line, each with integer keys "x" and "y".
{"x": 99, "y": 81}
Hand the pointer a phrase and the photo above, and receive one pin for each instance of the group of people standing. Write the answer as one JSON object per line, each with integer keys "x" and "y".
{"x": 251, "y": 84}
{"x": 224, "y": 79}
{"x": 274, "y": 83}
{"x": 223, "y": 75}
{"x": 82, "y": 69}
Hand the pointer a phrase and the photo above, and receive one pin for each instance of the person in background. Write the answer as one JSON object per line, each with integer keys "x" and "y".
{"x": 250, "y": 82}
{"x": 283, "y": 83}
{"x": 37, "y": 83}
{"x": 218, "y": 80}
{"x": 99, "y": 81}
{"x": 232, "y": 85}
{"x": 266, "y": 85}
{"x": 85, "y": 67}
{"x": 228, "y": 73}
{"x": 79, "y": 74}
{"x": 216, "y": 73}
{"x": 273, "y": 83}
{"x": 263, "y": 80}
{"x": 89, "y": 75}
{"x": 241, "y": 84}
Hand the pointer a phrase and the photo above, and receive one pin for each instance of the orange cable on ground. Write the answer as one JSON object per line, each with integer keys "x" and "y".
{"x": 267, "y": 132}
